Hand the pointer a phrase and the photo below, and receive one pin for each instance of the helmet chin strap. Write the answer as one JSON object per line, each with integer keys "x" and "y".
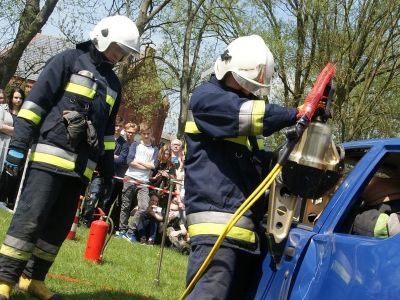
{"x": 230, "y": 81}
{"x": 105, "y": 60}
{"x": 98, "y": 57}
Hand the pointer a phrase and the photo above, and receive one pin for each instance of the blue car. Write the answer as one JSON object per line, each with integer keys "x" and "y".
{"x": 322, "y": 258}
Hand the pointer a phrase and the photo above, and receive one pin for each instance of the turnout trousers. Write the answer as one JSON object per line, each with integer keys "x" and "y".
{"x": 40, "y": 224}
{"x": 232, "y": 275}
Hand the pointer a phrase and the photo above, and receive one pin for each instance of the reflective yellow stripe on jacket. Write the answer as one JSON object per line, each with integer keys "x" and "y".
{"x": 213, "y": 223}
{"x": 60, "y": 158}
{"x": 82, "y": 85}
{"x": 251, "y": 117}
{"x": 191, "y": 127}
{"x": 110, "y": 98}
{"x": 32, "y": 112}
{"x": 109, "y": 142}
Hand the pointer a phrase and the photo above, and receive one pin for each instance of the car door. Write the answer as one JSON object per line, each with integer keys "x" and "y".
{"x": 326, "y": 262}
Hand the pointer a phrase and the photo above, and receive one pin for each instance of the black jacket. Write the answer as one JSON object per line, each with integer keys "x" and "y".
{"x": 60, "y": 88}
{"x": 220, "y": 166}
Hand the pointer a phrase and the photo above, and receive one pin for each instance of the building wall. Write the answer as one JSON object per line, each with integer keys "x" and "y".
{"x": 157, "y": 123}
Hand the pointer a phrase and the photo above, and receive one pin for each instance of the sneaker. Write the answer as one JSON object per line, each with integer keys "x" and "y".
{"x": 150, "y": 242}
{"x": 130, "y": 238}
{"x": 143, "y": 240}
{"x": 121, "y": 233}
{"x": 185, "y": 251}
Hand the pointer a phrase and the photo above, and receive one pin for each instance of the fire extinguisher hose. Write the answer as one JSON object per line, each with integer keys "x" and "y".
{"x": 110, "y": 221}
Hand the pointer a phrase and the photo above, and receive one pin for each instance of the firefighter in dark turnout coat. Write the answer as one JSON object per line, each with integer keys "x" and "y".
{"x": 221, "y": 168}
{"x": 68, "y": 121}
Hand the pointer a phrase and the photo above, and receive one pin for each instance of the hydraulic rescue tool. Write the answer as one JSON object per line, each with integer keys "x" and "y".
{"x": 320, "y": 95}
{"x": 311, "y": 168}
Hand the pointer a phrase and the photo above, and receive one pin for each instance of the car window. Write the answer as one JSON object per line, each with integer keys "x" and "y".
{"x": 309, "y": 210}
{"x": 377, "y": 210}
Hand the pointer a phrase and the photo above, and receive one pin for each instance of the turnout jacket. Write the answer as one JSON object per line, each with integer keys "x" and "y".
{"x": 59, "y": 89}
{"x": 221, "y": 165}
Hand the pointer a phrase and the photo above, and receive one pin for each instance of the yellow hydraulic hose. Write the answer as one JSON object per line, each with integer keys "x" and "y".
{"x": 233, "y": 220}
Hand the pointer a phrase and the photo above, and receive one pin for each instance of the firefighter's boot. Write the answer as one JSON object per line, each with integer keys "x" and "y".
{"x": 37, "y": 288}
{"x": 5, "y": 290}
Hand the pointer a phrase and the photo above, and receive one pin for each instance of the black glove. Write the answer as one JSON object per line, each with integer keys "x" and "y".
{"x": 92, "y": 135}
{"x": 76, "y": 127}
{"x": 14, "y": 162}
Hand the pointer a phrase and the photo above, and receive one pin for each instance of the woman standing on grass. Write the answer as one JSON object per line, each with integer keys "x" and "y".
{"x": 10, "y": 184}
{"x": 6, "y": 127}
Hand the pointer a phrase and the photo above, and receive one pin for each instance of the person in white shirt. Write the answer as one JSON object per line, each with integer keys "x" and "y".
{"x": 141, "y": 160}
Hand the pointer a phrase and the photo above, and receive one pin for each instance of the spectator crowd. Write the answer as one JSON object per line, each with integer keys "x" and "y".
{"x": 137, "y": 197}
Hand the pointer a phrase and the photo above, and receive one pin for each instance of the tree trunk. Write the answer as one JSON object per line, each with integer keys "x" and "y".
{"x": 31, "y": 22}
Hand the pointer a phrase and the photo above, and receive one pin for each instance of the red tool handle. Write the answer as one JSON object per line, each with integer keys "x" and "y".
{"x": 314, "y": 96}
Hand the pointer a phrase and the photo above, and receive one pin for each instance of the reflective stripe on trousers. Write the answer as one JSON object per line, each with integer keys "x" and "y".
{"x": 22, "y": 250}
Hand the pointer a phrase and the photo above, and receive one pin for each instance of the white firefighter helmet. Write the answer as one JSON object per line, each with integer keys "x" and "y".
{"x": 116, "y": 29}
{"x": 251, "y": 63}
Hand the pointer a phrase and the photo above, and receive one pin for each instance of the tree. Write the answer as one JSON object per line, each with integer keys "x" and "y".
{"x": 360, "y": 37}
{"x": 141, "y": 86}
{"x": 189, "y": 35}
{"x": 29, "y": 21}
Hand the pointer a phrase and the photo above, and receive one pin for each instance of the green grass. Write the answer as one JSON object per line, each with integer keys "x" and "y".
{"x": 128, "y": 270}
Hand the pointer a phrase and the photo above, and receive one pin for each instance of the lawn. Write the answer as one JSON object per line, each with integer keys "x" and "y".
{"x": 128, "y": 270}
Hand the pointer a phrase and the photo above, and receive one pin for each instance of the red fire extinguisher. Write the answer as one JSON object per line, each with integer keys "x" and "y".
{"x": 97, "y": 238}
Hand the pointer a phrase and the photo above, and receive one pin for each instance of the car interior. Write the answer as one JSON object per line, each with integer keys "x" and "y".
{"x": 381, "y": 189}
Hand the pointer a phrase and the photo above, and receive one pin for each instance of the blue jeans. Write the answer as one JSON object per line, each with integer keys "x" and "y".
{"x": 149, "y": 225}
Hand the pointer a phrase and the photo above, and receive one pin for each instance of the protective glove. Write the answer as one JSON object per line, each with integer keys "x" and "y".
{"x": 393, "y": 224}
{"x": 313, "y": 99}
{"x": 14, "y": 162}
{"x": 76, "y": 127}
{"x": 303, "y": 110}
{"x": 92, "y": 135}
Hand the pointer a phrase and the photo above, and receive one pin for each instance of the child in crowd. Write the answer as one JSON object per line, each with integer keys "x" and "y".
{"x": 177, "y": 232}
{"x": 111, "y": 202}
{"x": 149, "y": 225}
{"x": 131, "y": 130}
